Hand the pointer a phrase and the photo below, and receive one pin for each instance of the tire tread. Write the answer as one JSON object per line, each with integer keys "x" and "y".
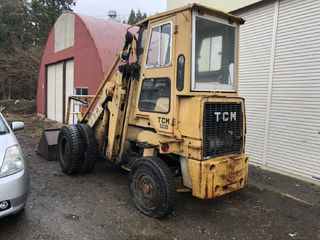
{"x": 157, "y": 165}
{"x": 90, "y": 144}
{"x": 72, "y": 134}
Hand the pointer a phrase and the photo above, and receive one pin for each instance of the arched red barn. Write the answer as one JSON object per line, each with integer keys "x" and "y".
{"x": 79, "y": 50}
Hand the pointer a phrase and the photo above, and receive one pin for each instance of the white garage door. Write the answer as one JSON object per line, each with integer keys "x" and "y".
{"x": 58, "y": 86}
{"x": 55, "y": 92}
{"x": 294, "y": 139}
{"x": 69, "y": 86}
{"x": 280, "y": 79}
{"x": 255, "y": 53}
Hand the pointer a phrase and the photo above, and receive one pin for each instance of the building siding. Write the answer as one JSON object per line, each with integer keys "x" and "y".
{"x": 294, "y": 140}
{"x": 280, "y": 79}
{"x": 255, "y": 54}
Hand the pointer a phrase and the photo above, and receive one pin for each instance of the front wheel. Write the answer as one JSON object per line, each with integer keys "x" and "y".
{"x": 90, "y": 147}
{"x": 153, "y": 187}
{"x": 70, "y": 149}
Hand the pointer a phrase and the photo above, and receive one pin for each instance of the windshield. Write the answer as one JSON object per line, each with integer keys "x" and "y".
{"x": 213, "y": 55}
{"x": 3, "y": 127}
{"x": 141, "y": 42}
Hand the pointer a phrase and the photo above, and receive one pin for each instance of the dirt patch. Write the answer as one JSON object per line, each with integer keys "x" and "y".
{"x": 99, "y": 206}
{"x": 18, "y": 106}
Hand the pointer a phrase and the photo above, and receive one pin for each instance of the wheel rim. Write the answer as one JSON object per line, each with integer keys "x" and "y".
{"x": 65, "y": 151}
{"x": 145, "y": 190}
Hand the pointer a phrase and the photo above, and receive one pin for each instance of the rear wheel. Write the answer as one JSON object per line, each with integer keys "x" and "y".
{"x": 70, "y": 149}
{"x": 152, "y": 187}
{"x": 90, "y": 147}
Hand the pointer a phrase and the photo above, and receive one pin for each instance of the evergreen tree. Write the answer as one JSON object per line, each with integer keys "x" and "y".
{"x": 14, "y": 24}
{"x": 132, "y": 18}
{"x": 25, "y": 25}
{"x": 44, "y": 14}
{"x": 144, "y": 16}
{"x": 136, "y": 17}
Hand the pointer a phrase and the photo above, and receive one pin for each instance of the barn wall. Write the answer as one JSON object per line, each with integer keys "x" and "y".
{"x": 87, "y": 66}
{"x": 96, "y": 43}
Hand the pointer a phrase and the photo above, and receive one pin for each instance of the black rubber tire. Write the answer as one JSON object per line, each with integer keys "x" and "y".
{"x": 70, "y": 149}
{"x": 90, "y": 147}
{"x": 152, "y": 186}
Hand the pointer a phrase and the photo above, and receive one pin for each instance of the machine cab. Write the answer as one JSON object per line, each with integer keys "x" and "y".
{"x": 191, "y": 52}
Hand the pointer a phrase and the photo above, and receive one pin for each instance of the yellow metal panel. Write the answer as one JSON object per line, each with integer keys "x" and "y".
{"x": 162, "y": 122}
{"x": 193, "y": 6}
{"x": 218, "y": 176}
{"x": 184, "y": 23}
{"x": 190, "y": 117}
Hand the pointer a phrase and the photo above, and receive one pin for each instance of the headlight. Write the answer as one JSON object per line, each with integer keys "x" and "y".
{"x": 12, "y": 163}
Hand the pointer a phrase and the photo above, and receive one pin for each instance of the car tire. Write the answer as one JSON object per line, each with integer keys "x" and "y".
{"x": 90, "y": 147}
{"x": 152, "y": 186}
{"x": 70, "y": 149}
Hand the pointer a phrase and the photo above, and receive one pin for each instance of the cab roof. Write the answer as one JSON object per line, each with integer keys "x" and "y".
{"x": 195, "y": 6}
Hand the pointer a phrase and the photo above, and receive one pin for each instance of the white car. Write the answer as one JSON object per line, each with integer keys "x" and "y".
{"x": 14, "y": 174}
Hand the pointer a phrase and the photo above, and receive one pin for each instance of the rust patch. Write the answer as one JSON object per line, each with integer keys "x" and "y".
{"x": 229, "y": 174}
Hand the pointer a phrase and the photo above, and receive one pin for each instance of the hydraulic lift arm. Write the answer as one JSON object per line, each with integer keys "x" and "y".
{"x": 107, "y": 113}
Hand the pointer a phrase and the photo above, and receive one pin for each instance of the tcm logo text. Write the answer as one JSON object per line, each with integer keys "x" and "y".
{"x": 226, "y": 116}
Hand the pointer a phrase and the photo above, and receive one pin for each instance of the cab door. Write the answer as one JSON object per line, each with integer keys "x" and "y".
{"x": 154, "y": 104}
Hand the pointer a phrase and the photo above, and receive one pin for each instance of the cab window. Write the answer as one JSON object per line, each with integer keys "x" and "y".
{"x": 159, "y": 52}
{"x": 214, "y": 55}
{"x": 141, "y": 42}
{"x": 155, "y": 95}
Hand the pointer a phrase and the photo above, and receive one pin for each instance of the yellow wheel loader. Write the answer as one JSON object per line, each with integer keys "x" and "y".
{"x": 168, "y": 111}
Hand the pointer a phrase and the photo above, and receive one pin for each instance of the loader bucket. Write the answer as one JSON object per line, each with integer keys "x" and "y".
{"x": 48, "y": 144}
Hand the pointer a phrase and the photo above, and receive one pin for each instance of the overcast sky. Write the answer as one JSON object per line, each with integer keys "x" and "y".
{"x": 100, "y": 8}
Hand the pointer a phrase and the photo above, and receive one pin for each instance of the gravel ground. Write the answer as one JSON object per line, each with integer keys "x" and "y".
{"x": 98, "y": 206}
